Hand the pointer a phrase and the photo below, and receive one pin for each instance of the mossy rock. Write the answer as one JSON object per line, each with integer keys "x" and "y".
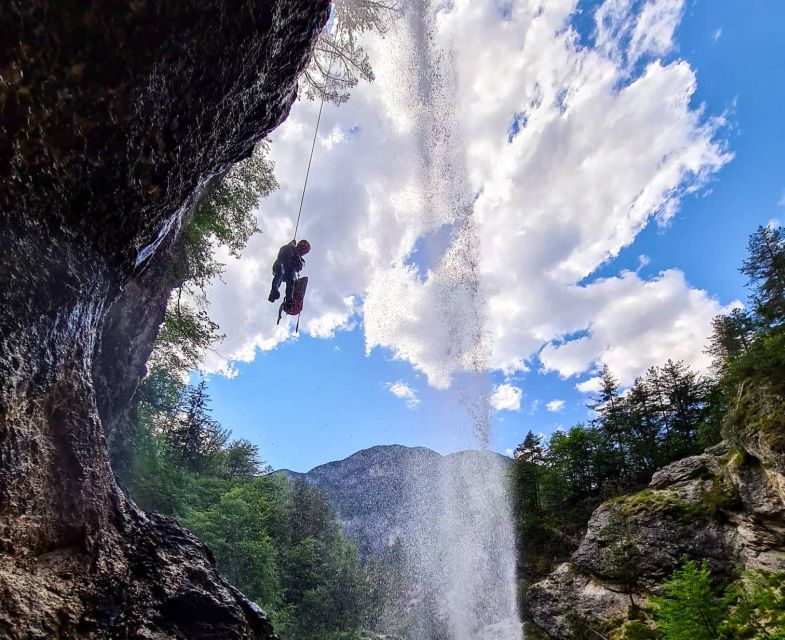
{"x": 650, "y": 502}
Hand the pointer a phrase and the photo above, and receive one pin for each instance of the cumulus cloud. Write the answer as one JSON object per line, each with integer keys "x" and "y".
{"x": 592, "y": 385}
{"x": 403, "y": 391}
{"x": 635, "y": 323}
{"x": 506, "y": 397}
{"x": 459, "y": 205}
{"x": 554, "y": 406}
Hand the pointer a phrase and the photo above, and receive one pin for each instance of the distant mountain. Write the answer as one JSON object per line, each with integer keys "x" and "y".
{"x": 380, "y": 494}
{"x": 440, "y": 531}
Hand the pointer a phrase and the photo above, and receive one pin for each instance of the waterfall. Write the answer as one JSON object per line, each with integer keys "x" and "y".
{"x": 460, "y": 557}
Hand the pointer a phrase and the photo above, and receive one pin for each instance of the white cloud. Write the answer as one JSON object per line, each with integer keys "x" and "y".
{"x": 554, "y": 406}
{"x": 403, "y": 391}
{"x": 626, "y": 32}
{"x": 506, "y": 397}
{"x": 600, "y": 153}
{"x": 592, "y": 385}
{"x": 717, "y": 34}
{"x": 637, "y": 323}
{"x": 781, "y": 201}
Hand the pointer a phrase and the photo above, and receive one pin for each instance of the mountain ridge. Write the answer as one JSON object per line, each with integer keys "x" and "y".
{"x": 378, "y": 492}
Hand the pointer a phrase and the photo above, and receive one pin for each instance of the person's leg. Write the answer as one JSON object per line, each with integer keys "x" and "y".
{"x": 277, "y": 277}
{"x": 289, "y": 279}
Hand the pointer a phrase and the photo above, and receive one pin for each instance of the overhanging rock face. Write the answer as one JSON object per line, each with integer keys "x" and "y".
{"x": 112, "y": 118}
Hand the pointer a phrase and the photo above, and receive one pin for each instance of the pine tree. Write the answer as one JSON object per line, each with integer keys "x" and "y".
{"x": 730, "y": 338}
{"x": 765, "y": 268}
{"x": 643, "y": 430}
{"x": 194, "y": 438}
{"x": 687, "y": 395}
{"x": 621, "y": 557}
{"x": 653, "y": 382}
{"x": 690, "y": 609}
{"x": 609, "y": 405}
{"x": 241, "y": 460}
{"x": 529, "y": 456}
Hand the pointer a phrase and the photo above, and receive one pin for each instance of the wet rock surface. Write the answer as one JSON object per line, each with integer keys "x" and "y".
{"x": 724, "y": 505}
{"x": 565, "y": 593}
{"x": 113, "y": 117}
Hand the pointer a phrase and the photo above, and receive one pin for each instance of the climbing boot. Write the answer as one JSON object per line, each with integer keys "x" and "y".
{"x": 274, "y": 295}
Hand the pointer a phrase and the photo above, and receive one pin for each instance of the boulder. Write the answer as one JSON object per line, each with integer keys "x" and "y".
{"x": 568, "y": 595}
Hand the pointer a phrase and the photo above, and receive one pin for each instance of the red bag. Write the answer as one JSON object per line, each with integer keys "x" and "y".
{"x": 298, "y": 299}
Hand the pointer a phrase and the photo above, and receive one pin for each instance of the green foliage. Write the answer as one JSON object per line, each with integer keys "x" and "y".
{"x": 276, "y": 540}
{"x": 224, "y": 217}
{"x": 691, "y": 608}
{"x": 186, "y": 332}
{"x": 193, "y": 438}
{"x": 621, "y": 555}
{"x": 749, "y": 347}
{"x": 339, "y": 62}
{"x": 765, "y": 268}
{"x": 668, "y": 413}
{"x": 758, "y": 607}
{"x": 731, "y": 336}
{"x": 635, "y": 630}
{"x": 235, "y": 528}
{"x": 240, "y": 459}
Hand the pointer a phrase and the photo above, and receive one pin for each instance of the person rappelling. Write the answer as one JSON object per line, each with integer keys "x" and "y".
{"x": 290, "y": 262}
{"x": 286, "y": 267}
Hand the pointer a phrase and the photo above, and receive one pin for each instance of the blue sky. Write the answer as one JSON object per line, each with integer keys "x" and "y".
{"x": 310, "y": 400}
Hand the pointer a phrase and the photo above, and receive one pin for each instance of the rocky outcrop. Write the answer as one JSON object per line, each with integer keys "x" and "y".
{"x": 554, "y": 601}
{"x": 723, "y": 505}
{"x": 113, "y": 117}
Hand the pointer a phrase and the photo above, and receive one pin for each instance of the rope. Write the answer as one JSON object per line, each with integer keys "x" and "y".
{"x": 305, "y": 186}
{"x": 308, "y": 172}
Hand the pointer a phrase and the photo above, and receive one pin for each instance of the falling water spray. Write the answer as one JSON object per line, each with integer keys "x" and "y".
{"x": 460, "y": 566}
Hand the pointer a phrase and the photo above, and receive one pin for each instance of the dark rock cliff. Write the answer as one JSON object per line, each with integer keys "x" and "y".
{"x": 726, "y": 505}
{"x": 113, "y": 117}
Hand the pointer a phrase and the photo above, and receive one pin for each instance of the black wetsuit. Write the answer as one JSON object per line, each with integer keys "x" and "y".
{"x": 286, "y": 267}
